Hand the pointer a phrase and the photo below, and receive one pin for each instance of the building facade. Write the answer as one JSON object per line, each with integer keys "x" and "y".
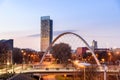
{"x": 46, "y": 32}
{"x": 6, "y": 52}
{"x": 94, "y": 45}
{"x": 81, "y": 50}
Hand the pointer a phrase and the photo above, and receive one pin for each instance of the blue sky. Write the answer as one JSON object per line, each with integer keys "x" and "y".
{"x": 92, "y": 19}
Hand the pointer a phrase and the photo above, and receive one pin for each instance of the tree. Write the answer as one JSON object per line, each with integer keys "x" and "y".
{"x": 28, "y": 55}
{"x": 61, "y": 52}
{"x": 17, "y": 55}
{"x": 31, "y": 55}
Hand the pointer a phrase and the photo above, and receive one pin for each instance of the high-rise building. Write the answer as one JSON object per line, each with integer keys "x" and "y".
{"x": 94, "y": 44}
{"x": 46, "y": 32}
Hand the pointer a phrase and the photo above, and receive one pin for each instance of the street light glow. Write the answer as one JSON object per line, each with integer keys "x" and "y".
{"x": 8, "y": 63}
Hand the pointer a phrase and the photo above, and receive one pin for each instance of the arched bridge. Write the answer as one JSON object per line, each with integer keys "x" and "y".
{"x": 80, "y": 38}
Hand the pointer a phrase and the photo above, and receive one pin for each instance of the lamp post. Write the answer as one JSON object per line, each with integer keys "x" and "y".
{"x": 83, "y": 65}
{"x": 105, "y": 75}
{"x": 73, "y": 68}
{"x": 84, "y": 73}
{"x": 23, "y": 59}
{"x": 65, "y": 76}
{"x": 109, "y": 54}
{"x": 7, "y": 65}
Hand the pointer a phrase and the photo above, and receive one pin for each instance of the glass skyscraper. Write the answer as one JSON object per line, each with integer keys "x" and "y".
{"x": 46, "y": 32}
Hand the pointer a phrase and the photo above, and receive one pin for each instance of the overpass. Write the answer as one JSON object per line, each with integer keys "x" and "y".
{"x": 44, "y": 71}
{"x": 112, "y": 70}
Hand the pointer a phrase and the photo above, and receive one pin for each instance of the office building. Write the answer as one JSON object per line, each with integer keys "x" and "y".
{"x": 6, "y": 47}
{"x": 94, "y": 45}
{"x": 81, "y": 50}
{"x": 46, "y": 32}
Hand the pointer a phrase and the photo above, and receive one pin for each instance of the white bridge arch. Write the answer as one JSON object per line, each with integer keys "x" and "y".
{"x": 97, "y": 61}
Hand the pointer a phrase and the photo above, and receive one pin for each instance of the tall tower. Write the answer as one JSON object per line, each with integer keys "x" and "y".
{"x": 46, "y": 32}
{"x": 94, "y": 44}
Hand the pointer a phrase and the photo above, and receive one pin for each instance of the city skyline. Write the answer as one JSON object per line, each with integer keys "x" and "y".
{"x": 93, "y": 20}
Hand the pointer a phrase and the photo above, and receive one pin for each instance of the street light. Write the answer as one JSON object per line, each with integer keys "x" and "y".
{"x": 31, "y": 58}
{"x": 65, "y": 76}
{"x": 117, "y": 52}
{"x": 23, "y": 60}
{"x": 8, "y": 63}
{"x": 109, "y": 54}
{"x": 103, "y": 60}
{"x": 73, "y": 65}
{"x": 82, "y": 65}
{"x": 105, "y": 69}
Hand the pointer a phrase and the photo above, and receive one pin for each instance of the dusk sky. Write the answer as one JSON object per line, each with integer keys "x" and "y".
{"x": 92, "y": 19}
